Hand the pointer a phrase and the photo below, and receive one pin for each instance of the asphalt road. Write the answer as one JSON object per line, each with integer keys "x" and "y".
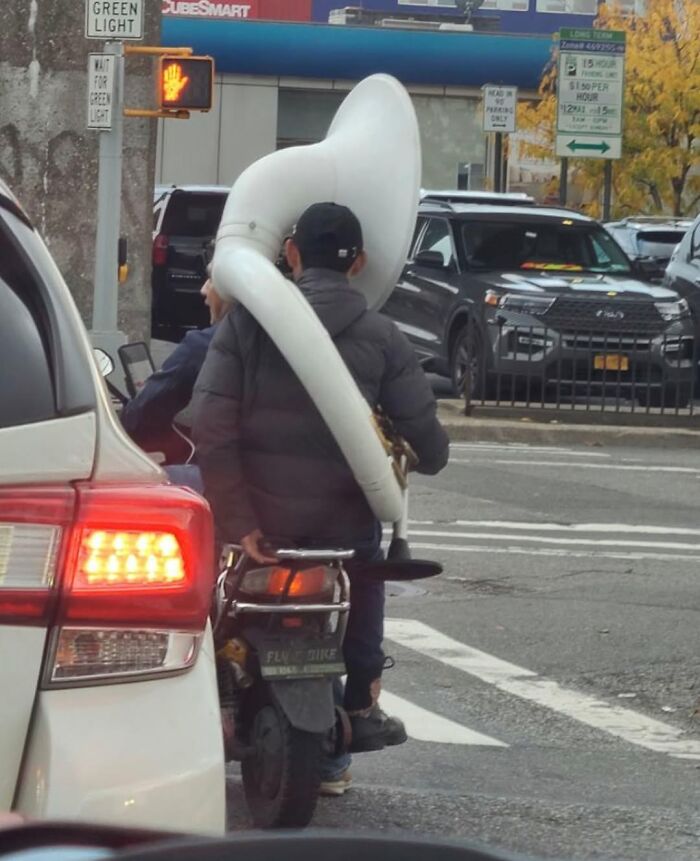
{"x": 550, "y": 677}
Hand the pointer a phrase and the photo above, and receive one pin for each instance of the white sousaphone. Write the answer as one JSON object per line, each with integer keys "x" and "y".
{"x": 370, "y": 161}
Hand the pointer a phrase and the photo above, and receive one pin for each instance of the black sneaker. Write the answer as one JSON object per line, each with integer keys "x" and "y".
{"x": 375, "y": 731}
{"x": 394, "y": 730}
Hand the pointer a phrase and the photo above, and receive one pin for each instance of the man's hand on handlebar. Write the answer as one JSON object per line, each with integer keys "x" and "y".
{"x": 252, "y": 546}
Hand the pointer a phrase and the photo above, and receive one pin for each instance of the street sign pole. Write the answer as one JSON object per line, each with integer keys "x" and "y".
{"x": 109, "y": 194}
{"x": 563, "y": 181}
{"x": 607, "y": 191}
{"x": 498, "y": 162}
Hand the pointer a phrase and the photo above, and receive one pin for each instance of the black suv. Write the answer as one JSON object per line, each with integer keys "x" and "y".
{"x": 649, "y": 240}
{"x": 185, "y": 220}
{"x": 535, "y": 292}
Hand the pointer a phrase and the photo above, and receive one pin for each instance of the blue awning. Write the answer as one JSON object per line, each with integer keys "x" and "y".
{"x": 324, "y": 51}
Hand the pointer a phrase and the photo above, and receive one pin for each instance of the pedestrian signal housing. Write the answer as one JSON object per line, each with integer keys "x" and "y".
{"x": 186, "y": 83}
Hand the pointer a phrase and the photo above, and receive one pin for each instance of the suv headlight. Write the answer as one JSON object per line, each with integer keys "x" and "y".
{"x": 522, "y": 303}
{"x": 671, "y": 311}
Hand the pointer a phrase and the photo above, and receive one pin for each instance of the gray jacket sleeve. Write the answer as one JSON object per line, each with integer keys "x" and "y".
{"x": 217, "y": 405}
{"x": 408, "y": 400}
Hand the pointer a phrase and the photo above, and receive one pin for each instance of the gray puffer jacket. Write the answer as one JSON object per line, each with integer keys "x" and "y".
{"x": 266, "y": 455}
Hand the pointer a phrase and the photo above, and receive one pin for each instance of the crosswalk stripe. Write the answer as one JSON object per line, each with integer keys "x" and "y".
{"x": 525, "y": 449}
{"x": 424, "y": 725}
{"x": 615, "y": 528}
{"x": 550, "y": 551}
{"x": 541, "y": 539}
{"x": 623, "y": 723}
{"x": 685, "y": 470}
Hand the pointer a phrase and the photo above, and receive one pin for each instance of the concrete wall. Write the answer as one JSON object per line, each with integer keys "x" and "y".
{"x": 214, "y": 148}
{"x": 49, "y": 158}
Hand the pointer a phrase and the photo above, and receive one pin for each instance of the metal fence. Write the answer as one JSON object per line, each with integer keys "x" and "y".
{"x": 582, "y": 371}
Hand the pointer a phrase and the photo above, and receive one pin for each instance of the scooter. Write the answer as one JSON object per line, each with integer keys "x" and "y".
{"x": 278, "y": 632}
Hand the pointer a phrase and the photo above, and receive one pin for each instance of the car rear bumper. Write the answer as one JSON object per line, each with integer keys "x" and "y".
{"x": 144, "y": 754}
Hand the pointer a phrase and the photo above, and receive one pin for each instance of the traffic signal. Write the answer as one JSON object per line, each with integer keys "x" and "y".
{"x": 186, "y": 83}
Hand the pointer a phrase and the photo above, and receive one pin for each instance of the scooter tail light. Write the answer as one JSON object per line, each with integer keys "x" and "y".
{"x": 280, "y": 581}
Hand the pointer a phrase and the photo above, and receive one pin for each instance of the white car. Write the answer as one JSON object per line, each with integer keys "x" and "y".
{"x": 109, "y": 709}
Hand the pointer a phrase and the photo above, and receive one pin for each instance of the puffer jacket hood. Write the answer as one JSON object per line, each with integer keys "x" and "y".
{"x": 336, "y": 302}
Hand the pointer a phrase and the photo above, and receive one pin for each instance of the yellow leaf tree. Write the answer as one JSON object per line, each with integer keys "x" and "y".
{"x": 660, "y": 168}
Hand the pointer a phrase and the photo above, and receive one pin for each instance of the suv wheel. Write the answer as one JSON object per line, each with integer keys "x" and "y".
{"x": 467, "y": 365}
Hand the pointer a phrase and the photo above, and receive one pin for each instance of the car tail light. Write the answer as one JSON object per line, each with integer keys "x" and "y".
{"x": 33, "y": 524}
{"x": 160, "y": 250}
{"x": 301, "y": 583}
{"x": 84, "y": 654}
{"x": 122, "y": 575}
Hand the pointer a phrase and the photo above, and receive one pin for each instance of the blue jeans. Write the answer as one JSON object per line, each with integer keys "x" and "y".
{"x": 362, "y": 647}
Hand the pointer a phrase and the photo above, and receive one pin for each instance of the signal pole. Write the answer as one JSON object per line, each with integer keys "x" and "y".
{"x": 105, "y": 331}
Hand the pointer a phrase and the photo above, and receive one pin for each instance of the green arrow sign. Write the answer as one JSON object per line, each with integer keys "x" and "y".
{"x": 574, "y": 146}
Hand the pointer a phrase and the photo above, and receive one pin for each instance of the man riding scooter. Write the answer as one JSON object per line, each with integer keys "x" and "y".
{"x": 273, "y": 471}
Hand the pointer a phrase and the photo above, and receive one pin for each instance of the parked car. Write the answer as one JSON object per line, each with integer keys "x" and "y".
{"x": 650, "y": 241}
{"x": 537, "y": 293}
{"x": 185, "y": 220}
{"x": 683, "y": 271}
{"x": 109, "y": 708}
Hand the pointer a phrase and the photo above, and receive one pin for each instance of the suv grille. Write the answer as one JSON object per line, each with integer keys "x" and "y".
{"x": 603, "y": 315}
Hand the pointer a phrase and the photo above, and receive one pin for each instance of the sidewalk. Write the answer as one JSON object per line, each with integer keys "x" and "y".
{"x": 530, "y": 430}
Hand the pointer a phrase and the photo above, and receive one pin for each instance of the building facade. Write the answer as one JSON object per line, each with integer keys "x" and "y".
{"x": 283, "y": 69}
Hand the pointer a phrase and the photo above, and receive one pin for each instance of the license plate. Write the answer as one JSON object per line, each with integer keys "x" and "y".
{"x": 611, "y": 362}
{"x": 283, "y": 658}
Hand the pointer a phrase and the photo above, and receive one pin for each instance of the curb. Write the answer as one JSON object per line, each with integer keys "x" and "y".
{"x": 461, "y": 428}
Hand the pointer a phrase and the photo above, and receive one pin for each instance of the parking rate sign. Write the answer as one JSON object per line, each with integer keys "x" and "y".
{"x": 100, "y": 91}
{"x": 590, "y": 93}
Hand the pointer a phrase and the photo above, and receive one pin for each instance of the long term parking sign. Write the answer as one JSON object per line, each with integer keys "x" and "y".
{"x": 590, "y": 93}
{"x": 114, "y": 19}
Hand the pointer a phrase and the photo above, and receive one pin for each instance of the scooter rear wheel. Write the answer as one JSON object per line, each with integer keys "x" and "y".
{"x": 281, "y": 774}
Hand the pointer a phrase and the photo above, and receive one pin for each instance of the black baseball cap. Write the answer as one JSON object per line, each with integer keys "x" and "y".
{"x": 329, "y": 236}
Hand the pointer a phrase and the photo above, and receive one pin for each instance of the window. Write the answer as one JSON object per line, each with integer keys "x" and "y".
{"x": 658, "y": 243}
{"x": 303, "y": 116}
{"x": 633, "y": 7}
{"x": 499, "y": 5}
{"x": 541, "y": 246}
{"x": 506, "y": 5}
{"x": 602, "y": 257}
{"x": 622, "y": 236}
{"x": 26, "y": 385}
{"x": 420, "y": 223}
{"x": 568, "y": 7}
{"x": 193, "y": 214}
{"x": 437, "y": 237}
{"x": 695, "y": 244}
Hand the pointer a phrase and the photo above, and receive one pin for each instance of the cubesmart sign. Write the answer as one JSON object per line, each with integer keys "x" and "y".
{"x": 252, "y": 10}
{"x": 211, "y": 10}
